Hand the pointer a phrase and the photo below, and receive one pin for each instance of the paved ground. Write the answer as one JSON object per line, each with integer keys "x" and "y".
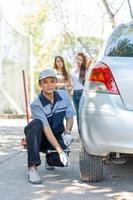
{"x": 61, "y": 184}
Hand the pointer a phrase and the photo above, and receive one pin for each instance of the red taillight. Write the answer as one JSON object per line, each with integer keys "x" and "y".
{"x": 102, "y": 80}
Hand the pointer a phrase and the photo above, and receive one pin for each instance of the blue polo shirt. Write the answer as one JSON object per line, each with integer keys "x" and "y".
{"x": 52, "y": 115}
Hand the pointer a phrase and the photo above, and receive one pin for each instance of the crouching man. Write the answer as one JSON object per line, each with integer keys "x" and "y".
{"x": 47, "y": 131}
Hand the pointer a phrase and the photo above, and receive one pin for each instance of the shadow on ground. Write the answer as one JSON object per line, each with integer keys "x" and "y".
{"x": 62, "y": 183}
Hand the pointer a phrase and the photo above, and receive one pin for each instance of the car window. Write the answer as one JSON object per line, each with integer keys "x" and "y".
{"x": 121, "y": 43}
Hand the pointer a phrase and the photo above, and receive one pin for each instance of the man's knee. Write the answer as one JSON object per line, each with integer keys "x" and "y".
{"x": 35, "y": 125}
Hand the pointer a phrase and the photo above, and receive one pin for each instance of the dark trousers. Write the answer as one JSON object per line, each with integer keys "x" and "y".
{"x": 76, "y": 99}
{"x": 37, "y": 142}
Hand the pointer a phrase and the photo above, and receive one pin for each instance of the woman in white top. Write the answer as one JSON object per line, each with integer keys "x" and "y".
{"x": 63, "y": 77}
{"x": 78, "y": 78}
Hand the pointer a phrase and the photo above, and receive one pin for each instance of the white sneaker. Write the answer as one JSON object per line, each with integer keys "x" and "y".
{"x": 33, "y": 176}
{"x": 47, "y": 166}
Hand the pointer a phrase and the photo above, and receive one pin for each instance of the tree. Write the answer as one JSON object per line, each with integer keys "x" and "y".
{"x": 130, "y": 9}
{"x": 111, "y": 14}
{"x": 33, "y": 24}
{"x": 72, "y": 37}
{"x": 66, "y": 42}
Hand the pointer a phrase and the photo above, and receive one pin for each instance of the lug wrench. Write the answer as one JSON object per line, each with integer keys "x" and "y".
{"x": 65, "y": 150}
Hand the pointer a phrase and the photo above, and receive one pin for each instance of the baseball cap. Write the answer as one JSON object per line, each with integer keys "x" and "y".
{"x": 47, "y": 73}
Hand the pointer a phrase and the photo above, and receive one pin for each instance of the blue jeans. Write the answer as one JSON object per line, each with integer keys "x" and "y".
{"x": 37, "y": 142}
{"x": 76, "y": 99}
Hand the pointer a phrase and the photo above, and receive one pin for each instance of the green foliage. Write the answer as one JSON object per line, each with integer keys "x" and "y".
{"x": 91, "y": 44}
{"x": 33, "y": 25}
{"x": 65, "y": 43}
{"x": 70, "y": 45}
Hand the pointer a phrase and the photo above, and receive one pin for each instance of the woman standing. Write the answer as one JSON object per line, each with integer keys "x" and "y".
{"x": 78, "y": 78}
{"x": 63, "y": 78}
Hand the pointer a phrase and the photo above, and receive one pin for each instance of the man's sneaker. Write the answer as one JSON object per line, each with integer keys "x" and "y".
{"x": 33, "y": 176}
{"x": 48, "y": 167}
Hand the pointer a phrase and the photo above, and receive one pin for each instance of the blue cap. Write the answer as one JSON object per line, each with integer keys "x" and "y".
{"x": 47, "y": 73}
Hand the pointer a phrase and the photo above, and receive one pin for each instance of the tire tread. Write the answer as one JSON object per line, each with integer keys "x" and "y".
{"x": 91, "y": 167}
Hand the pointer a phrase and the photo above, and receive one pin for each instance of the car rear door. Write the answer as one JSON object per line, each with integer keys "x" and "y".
{"x": 119, "y": 58}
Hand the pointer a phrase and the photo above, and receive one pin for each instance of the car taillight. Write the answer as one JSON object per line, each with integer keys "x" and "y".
{"x": 102, "y": 80}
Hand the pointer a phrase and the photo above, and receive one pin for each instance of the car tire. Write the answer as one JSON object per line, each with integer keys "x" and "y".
{"x": 91, "y": 167}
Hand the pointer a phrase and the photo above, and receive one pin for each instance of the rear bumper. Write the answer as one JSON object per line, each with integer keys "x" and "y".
{"x": 105, "y": 125}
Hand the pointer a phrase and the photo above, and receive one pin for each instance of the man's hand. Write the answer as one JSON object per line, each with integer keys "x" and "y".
{"x": 68, "y": 138}
{"x": 63, "y": 158}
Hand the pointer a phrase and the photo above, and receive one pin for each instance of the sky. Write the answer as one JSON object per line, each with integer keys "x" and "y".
{"x": 84, "y": 17}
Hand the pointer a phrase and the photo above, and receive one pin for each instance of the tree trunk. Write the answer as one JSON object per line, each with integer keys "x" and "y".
{"x": 130, "y": 9}
{"x": 110, "y": 14}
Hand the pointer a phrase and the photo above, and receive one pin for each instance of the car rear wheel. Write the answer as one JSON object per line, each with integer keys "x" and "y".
{"x": 91, "y": 167}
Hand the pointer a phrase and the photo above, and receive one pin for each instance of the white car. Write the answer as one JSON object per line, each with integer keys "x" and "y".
{"x": 106, "y": 106}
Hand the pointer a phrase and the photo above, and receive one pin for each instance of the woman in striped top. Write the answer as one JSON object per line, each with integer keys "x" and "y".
{"x": 63, "y": 77}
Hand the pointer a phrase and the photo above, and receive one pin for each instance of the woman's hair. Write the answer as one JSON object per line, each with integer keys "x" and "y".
{"x": 65, "y": 74}
{"x": 83, "y": 67}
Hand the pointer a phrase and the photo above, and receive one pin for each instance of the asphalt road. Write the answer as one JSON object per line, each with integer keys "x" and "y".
{"x": 62, "y": 183}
